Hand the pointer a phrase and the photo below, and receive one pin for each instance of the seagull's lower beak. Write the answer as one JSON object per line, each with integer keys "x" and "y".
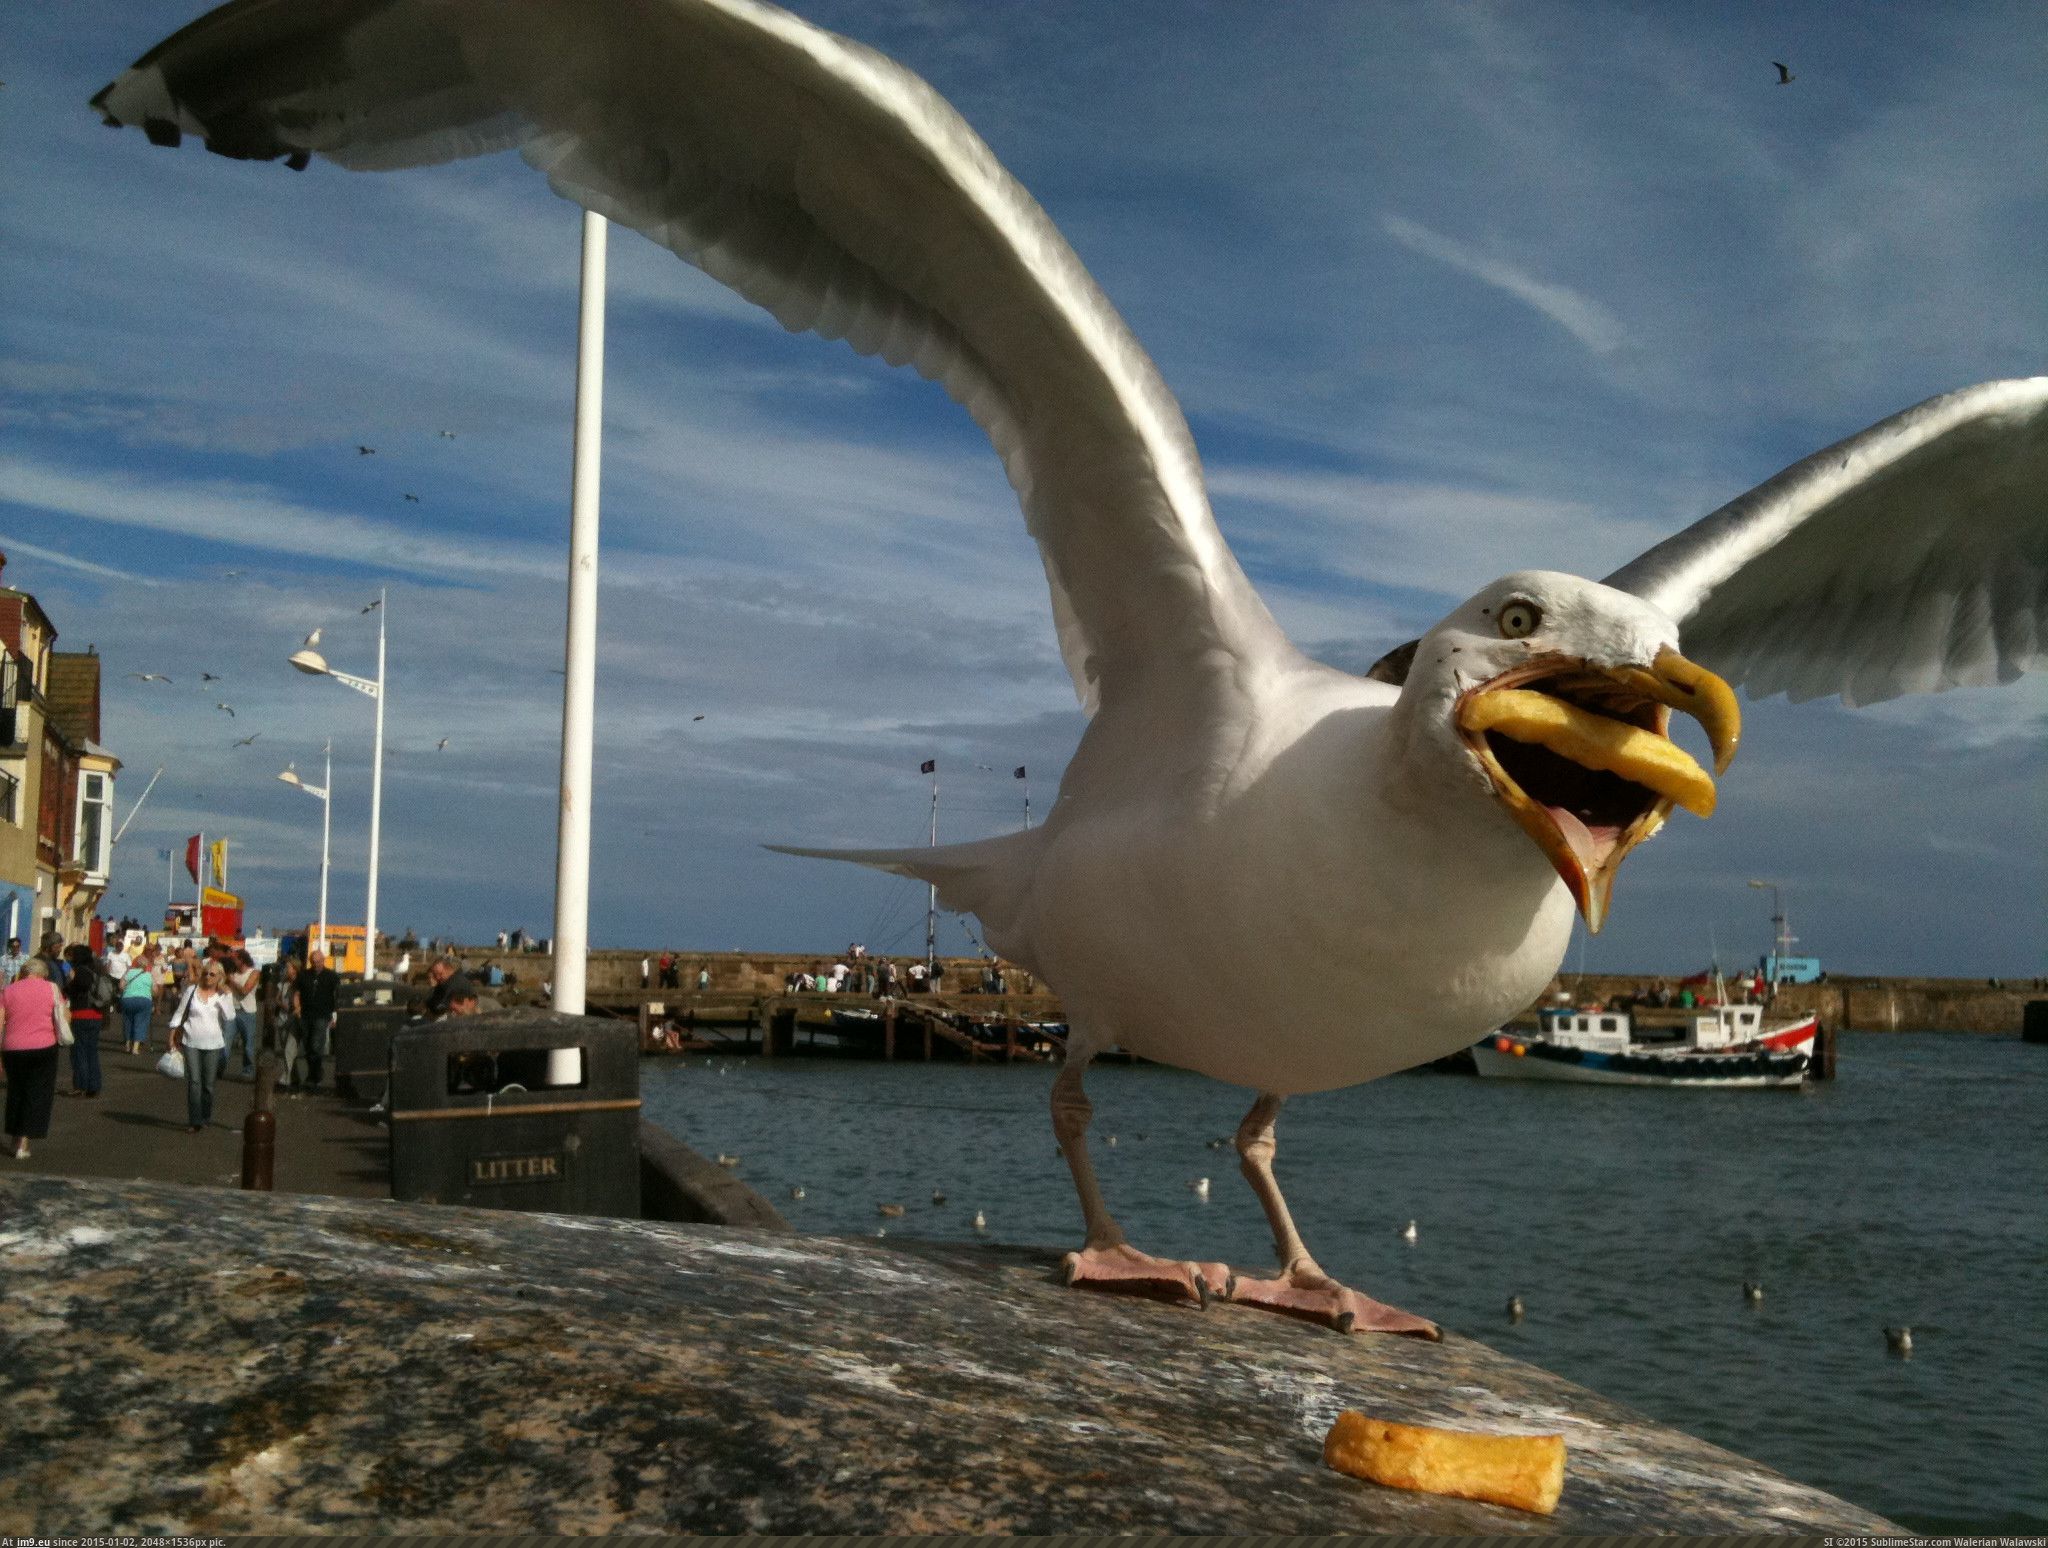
{"x": 1581, "y": 757}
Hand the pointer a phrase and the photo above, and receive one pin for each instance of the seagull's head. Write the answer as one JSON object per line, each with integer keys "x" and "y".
{"x": 1556, "y": 693}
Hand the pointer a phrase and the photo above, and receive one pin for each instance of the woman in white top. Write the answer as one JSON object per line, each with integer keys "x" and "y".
{"x": 245, "y": 979}
{"x": 200, "y": 1031}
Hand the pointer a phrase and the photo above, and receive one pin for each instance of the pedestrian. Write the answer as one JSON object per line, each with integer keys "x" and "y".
{"x": 11, "y": 961}
{"x": 200, "y": 1031}
{"x": 318, "y": 992}
{"x": 89, "y": 995}
{"x": 703, "y": 978}
{"x": 33, "y": 1023}
{"x": 244, "y": 981}
{"x": 138, "y": 1001}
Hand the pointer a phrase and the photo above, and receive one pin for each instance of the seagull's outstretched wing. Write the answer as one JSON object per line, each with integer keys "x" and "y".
{"x": 816, "y": 178}
{"x": 1907, "y": 559}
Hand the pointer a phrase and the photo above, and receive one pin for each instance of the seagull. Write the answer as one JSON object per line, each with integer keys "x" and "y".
{"x": 447, "y": 435}
{"x": 938, "y": 1197}
{"x": 249, "y": 740}
{"x": 366, "y": 451}
{"x": 209, "y": 677}
{"x": 980, "y": 1221}
{"x": 371, "y": 607}
{"x": 1900, "y": 1342}
{"x": 228, "y": 707}
{"x": 1785, "y": 76}
{"x": 797, "y": 1192}
{"x": 696, "y": 717}
{"x": 1752, "y": 1292}
{"x": 413, "y": 499}
{"x": 1200, "y": 1188}
{"x": 1373, "y": 870}
{"x": 728, "y": 1162}
{"x": 1514, "y": 1308}
{"x": 442, "y": 745}
{"x": 231, "y": 574}
{"x": 1409, "y": 1233}
{"x": 310, "y": 640}
{"x": 149, "y": 677}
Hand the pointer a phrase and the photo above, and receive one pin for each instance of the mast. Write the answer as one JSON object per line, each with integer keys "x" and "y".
{"x": 931, "y": 909}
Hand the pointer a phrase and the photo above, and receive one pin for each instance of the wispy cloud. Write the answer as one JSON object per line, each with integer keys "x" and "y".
{"x": 1582, "y": 317}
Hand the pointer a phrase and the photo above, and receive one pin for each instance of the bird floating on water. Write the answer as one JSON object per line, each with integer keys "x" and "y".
{"x": 1899, "y": 1341}
{"x": 1514, "y": 1308}
{"x": 728, "y": 1162}
{"x": 938, "y": 1197}
{"x": 980, "y": 1221}
{"x": 1200, "y": 1188}
{"x": 1409, "y": 1233}
{"x": 1372, "y": 870}
{"x": 1752, "y": 1292}
{"x": 796, "y": 1192}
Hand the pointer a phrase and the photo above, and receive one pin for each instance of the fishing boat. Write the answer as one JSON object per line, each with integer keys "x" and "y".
{"x": 1726, "y": 1046}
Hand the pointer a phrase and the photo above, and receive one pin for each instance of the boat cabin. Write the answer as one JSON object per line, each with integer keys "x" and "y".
{"x": 1608, "y": 1031}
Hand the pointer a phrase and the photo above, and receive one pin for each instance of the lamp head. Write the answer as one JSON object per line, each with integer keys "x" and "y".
{"x": 291, "y": 777}
{"x": 311, "y": 662}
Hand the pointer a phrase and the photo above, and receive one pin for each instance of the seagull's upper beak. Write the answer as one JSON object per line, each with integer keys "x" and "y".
{"x": 1581, "y": 756}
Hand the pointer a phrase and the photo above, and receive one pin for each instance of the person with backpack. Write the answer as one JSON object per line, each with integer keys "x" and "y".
{"x": 138, "y": 1001}
{"x": 88, "y": 995}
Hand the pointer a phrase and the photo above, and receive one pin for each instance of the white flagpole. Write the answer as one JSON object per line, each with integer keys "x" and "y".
{"x": 931, "y": 911}
{"x": 579, "y": 687}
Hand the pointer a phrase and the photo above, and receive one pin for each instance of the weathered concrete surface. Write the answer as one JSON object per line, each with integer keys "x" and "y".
{"x": 185, "y": 1360}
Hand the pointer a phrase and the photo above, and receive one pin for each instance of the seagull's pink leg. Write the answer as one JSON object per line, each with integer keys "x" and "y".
{"x": 1106, "y": 1260}
{"x": 1302, "y": 1288}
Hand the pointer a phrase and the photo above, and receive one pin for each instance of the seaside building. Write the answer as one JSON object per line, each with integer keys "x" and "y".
{"x": 56, "y": 779}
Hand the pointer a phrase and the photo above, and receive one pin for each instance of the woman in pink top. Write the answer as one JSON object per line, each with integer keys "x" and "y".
{"x": 31, "y": 1010}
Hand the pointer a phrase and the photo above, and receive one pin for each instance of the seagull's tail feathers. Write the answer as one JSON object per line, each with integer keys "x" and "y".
{"x": 990, "y": 878}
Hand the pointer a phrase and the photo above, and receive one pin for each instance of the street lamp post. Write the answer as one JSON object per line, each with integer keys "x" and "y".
{"x": 313, "y": 664}
{"x": 325, "y": 792}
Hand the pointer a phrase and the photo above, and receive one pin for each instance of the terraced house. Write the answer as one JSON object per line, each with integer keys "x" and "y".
{"x": 56, "y": 779}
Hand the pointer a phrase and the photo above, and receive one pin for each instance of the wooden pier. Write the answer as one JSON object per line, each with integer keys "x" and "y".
{"x": 964, "y": 1028}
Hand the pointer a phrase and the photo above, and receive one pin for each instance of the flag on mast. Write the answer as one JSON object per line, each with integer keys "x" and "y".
{"x": 929, "y": 766}
{"x": 220, "y": 863}
{"x": 192, "y": 858}
{"x": 1020, "y": 772}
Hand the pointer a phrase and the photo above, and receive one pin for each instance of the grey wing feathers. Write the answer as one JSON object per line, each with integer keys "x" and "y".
{"x": 1909, "y": 558}
{"x": 818, "y": 179}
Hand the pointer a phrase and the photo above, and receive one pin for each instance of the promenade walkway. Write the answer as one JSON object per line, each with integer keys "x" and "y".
{"x": 135, "y": 1129}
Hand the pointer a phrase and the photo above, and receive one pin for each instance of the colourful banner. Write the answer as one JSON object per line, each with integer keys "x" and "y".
{"x": 220, "y": 862}
{"x": 192, "y": 858}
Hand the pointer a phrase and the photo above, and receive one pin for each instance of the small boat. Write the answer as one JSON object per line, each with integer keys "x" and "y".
{"x": 1720, "y": 1046}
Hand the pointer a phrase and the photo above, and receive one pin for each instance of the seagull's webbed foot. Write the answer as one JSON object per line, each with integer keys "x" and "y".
{"x": 1304, "y": 1290}
{"x": 1120, "y": 1266}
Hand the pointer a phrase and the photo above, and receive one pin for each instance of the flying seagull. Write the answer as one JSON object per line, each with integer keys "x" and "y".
{"x": 442, "y": 745}
{"x": 371, "y": 607}
{"x": 149, "y": 677}
{"x": 310, "y": 640}
{"x": 209, "y": 677}
{"x": 1785, "y": 76}
{"x": 447, "y": 435}
{"x": 366, "y": 451}
{"x": 249, "y": 740}
{"x": 228, "y": 707}
{"x": 412, "y": 499}
{"x": 1373, "y": 870}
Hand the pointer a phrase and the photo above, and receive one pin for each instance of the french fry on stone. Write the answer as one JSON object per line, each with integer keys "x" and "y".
{"x": 1525, "y": 1471}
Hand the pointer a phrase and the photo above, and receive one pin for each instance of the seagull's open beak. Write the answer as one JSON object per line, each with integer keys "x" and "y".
{"x": 1581, "y": 756}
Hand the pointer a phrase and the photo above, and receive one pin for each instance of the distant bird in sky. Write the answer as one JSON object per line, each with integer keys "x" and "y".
{"x": 209, "y": 677}
{"x": 1373, "y": 870}
{"x": 442, "y": 745}
{"x": 231, "y": 574}
{"x": 150, "y": 677}
{"x": 696, "y": 717}
{"x": 372, "y": 606}
{"x": 250, "y": 739}
{"x": 366, "y": 451}
{"x": 310, "y": 640}
{"x": 413, "y": 498}
{"x": 228, "y": 707}
{"x": 447, "y": 435}
{"x": 1785, "y": 76}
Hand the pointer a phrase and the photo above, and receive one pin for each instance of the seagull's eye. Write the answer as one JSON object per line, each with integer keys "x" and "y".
{"x": 1519, "y": 620}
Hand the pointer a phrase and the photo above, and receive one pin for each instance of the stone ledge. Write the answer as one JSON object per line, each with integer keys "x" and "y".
{"x": 220, "y": 1363}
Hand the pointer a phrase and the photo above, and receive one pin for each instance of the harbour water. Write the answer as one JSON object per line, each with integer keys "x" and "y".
{"x": 1908, "y": 1192}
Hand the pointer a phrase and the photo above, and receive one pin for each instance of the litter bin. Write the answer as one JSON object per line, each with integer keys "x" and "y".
{"x": 362, "y": 1049}
{"x": 519, "y": 1109}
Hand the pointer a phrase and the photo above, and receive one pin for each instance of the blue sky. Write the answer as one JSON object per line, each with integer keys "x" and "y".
{"x": 1446, "y": 291}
